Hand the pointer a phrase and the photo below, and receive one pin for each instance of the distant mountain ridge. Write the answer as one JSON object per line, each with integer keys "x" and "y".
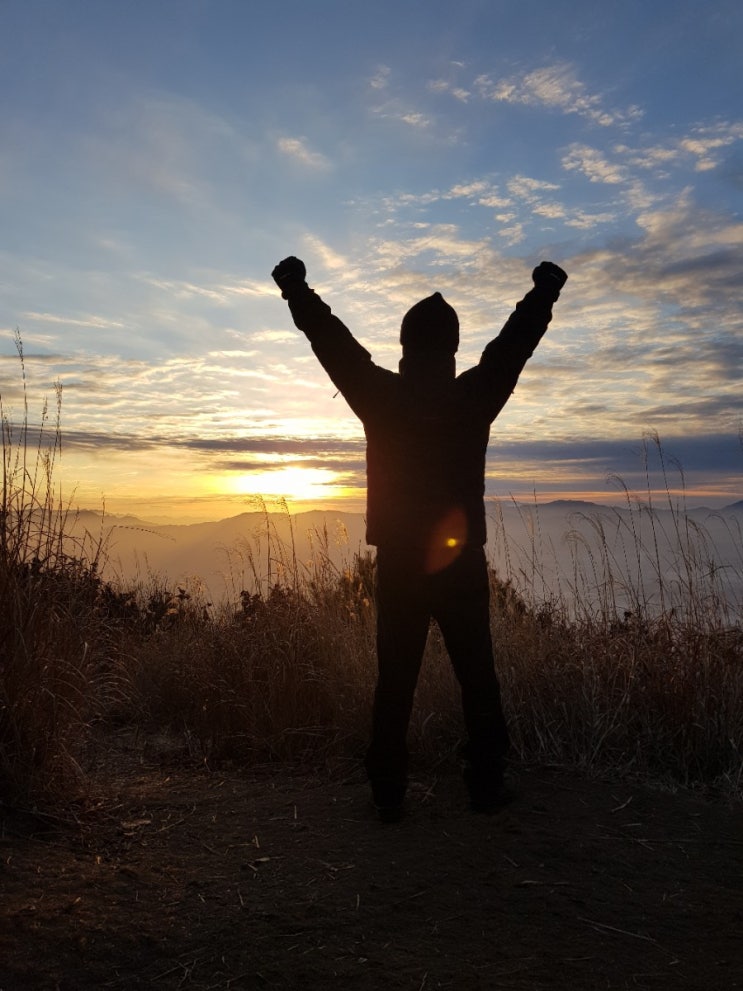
{"x": 317, "y": 516}
{"x": 256, "y": 547}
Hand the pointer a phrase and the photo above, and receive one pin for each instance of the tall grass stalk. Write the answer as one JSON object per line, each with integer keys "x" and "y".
{"x": 49, "y": 639}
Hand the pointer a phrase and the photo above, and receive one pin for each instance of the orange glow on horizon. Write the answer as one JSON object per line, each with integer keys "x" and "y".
{"x": 293, "y": 483}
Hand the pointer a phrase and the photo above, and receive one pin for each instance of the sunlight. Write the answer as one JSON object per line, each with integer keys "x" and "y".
{"x": 293, "y": 482}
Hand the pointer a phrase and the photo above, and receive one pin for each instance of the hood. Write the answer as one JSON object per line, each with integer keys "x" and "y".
{"x": 431, "y": 325}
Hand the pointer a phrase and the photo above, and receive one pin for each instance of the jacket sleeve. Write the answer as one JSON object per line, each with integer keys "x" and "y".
{"x": 505, "y": 356}
{"x": 348, "y": 364}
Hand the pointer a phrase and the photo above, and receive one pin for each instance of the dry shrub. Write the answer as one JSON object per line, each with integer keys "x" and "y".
{"x": 284, "y": 677}
{"x": 51, "y": 659}
{"x": 654, "y": 696}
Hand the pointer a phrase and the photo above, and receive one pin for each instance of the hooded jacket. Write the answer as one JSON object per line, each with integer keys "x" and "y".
{"x": 427, "y": 429}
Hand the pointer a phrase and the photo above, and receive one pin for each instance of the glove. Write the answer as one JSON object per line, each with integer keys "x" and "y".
{"x": 289, "y": 275}
{"x": 549, "y": 276}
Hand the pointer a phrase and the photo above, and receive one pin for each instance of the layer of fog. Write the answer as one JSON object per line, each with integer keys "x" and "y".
{"x": 581, "y": 555}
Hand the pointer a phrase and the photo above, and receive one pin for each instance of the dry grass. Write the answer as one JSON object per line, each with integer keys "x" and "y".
{"x": 52, "y": 643}
{"x": 284, "y": 676}
{"x": 286, "y": 672}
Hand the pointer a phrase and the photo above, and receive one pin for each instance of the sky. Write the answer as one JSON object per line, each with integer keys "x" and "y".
{"x": 158, "y": 159}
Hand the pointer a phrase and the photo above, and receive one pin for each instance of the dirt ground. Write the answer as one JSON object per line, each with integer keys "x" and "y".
{"x": 189, "y": 878}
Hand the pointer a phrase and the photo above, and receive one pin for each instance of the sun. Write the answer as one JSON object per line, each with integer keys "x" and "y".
{"x": 293, "y": 483}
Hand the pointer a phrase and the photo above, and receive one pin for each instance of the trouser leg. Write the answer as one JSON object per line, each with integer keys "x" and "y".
{"x": 402, "y": 628}
{"x": 462, "y": 611}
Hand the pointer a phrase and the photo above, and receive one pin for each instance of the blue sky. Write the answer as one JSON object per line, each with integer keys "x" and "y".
{"x": 157, "y": 159}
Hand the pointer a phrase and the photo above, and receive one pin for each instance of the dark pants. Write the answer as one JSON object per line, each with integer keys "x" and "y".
{"x": 457, "y": 597}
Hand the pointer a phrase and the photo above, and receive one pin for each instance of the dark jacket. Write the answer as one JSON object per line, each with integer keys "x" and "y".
{"x": 427, "y": 429}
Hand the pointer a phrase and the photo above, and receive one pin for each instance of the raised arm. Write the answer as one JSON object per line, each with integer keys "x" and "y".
{"x": 504, "y": 357}
{"x": 348, "y": 364}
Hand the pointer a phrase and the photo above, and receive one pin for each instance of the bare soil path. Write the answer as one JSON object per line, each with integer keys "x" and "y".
{"x": 186, "y": 879}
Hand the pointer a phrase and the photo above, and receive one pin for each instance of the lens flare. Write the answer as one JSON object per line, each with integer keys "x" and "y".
{"x": 447, "y": 540}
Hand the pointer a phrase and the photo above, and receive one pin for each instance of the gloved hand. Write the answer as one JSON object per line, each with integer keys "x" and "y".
{"x": 289, "y": 274}
{"x": 547, "y": 275}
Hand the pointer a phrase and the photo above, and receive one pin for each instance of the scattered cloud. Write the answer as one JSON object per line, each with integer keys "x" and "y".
{"x": 415, "y": 119}
{"x": 217, "y": 292}
{"x": 512, "y": 235}
{"x": 273, "y": 336}
{"x": 528, "y": 189}
{"x": 555, "y": 87}
{"x": 443, "y": 86}
{"x": 582, "y": 220}
{"x": 702, "y": 147}
{"x": 593, "y": 164}
{"x": 88, "y": 320}
{"x": 381, "y": 78}
{"x": 397, "y": 110}
{"x": 398, "y": 105}
{"x": 552, "y": 211}
{"x": 468, "y": 190}
{"x": 518, "y": 204}
{"x": 687, "y": 255}
{"x": 298, "y": 150}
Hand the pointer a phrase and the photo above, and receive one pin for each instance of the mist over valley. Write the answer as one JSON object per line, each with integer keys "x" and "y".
{"x": 563, "y": 550}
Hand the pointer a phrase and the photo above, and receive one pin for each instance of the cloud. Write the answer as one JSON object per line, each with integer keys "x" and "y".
{"x": 713, "y": 452}
{"x": 468, "y": 190}
{"x": 273, "y": 336}
{"x": 229, "y": 453}
{"x": 297, "y": 447}
{"x": 345, "y": 471}
{"x": 381, "y": 78}
{"x": 415, "y": 119}
{"x": 443, "y": 86}
{"x": 555, "y": 87}
{"x": 593, "y": 164}
{"x": 83, "y": 321}
{"x": 527, "y": 189}
{"x": 512, "y": 235}
{"x": 552, "y": 211}
{"x": 434, "y": 245}
{"x": 210, "y": 391}
{"x": 396, "y": 107}
{"x": 220, "y": 293}
{"x": 494, "y": 201}
{"x": 687, "y": 255}
{"x": 398, "y": 110}
{"x": 582, "y": 220}
{"x": 298, "y": 150}
{"x": 518, "y": 204}
{"x": 702, "y": 148}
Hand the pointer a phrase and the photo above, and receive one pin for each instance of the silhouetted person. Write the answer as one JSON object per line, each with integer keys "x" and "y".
{"x": 427, "y": 433}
